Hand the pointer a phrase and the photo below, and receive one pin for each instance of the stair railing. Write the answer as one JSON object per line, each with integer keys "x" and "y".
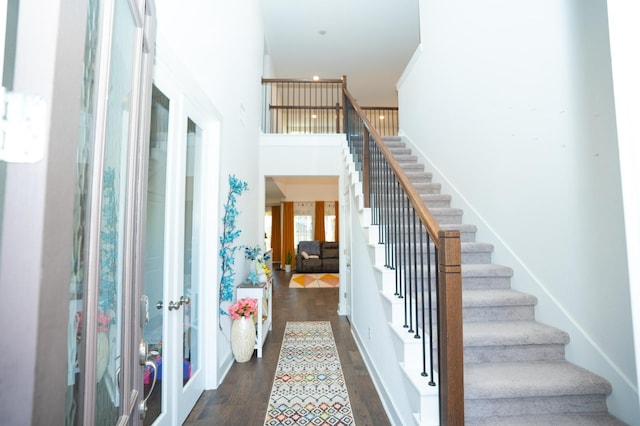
{"x": 307, "y": 106}
{"x": 425, "y": 258}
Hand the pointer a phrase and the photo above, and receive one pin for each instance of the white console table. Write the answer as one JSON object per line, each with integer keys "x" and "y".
{"x": 260, "y": 293}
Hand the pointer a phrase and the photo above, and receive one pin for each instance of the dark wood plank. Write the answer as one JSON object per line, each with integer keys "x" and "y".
{"x": 243, "y": 396}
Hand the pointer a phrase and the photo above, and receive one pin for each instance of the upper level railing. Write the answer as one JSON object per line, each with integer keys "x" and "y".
{"x": 426, "y": 260}
{"x": 306, "y": 106}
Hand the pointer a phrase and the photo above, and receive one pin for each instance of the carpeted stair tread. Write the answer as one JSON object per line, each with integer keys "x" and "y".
{"x": 564, "y": 419}
{"x": 467, "y": 231}
{"x": 472, "y": 252}
{"x": 399, "y": 150}
{"x": 419, "y": 176}
{"x": 503, "y": 333}
{"x": 485, "y": 270}
{"x": 405, "y": 158}
{"x": 530, "y": 379}
{"x": 425, "y": 186}
{"x": 412, "y": 167}
{"x": 496, "y": 297}
{"x": 436, "y": 200}
{"x": 392, "y": 140}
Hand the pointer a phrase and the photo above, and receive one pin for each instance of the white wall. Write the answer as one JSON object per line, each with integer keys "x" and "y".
{"x": 624, "y": 28}
{"x": 305, "y": 155}
{"x": 521, "y": 92}
{"x": 220, "y": 44}
{"x": 371, "y": 330}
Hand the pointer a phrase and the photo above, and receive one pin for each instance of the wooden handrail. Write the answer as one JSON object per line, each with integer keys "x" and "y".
{"x": 423, "y": 213}
{"x": 301, "y": 80}
{"x": 303, "y": 107}
{"x": 449, "y": 288}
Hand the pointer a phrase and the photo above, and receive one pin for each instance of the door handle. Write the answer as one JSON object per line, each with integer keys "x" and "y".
{"x": 142, "y": 406}
{"x": 176, "y": 305}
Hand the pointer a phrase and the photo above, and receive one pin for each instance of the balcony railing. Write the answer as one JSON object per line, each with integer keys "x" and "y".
{"x": 306, "y": 106}
{"x": 426, "y": 261}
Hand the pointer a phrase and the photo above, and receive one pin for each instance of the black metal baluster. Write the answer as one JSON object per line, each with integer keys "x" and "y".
{"x": 424, "y": 295}
{"x": 409, "y": 274}
{"x": 415, "y": 273}
{"x": 398, "y": 237}
{"x": 437, "y": 326}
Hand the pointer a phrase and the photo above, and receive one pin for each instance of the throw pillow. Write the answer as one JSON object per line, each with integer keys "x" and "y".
{"x": 304, "y": 254}
{"x": 314, "y": 256}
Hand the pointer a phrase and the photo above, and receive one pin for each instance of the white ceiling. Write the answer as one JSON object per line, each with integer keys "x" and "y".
{"x": 276, "y": 187}
{"x": 369, "y": 41}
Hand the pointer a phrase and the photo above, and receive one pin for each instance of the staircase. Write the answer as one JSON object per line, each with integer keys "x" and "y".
{"x": 515, "y": 367}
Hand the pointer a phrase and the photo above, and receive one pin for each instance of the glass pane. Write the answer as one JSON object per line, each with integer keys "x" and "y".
{"x": 330, "y": 228}
{"x": 191, "y": 252}
{"x": 75, "y": 337}
{"x": 154, "y": 247}
{"x": 302, "y": 229}
{"x": 267, "y": 228}
{"x": 114, "y": 180}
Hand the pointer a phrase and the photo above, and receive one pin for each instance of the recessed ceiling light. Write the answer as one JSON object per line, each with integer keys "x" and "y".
{"x": 322, "y": 32}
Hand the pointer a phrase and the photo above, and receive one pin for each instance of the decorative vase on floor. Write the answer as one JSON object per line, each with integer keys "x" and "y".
{"x": 243, "y": 338}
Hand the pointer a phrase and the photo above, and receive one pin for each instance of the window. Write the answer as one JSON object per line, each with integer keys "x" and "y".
{"x": 267, "y": 228}
{"x": 329, "y": 221}
{"x": 302, "y": 222}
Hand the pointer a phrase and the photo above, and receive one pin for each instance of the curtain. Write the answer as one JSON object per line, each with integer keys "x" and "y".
{"x": 318, "y": 226}
{"x": 287, "y": 232}
{"x": 276, "y": 233}
{"x": 337, "y": 230}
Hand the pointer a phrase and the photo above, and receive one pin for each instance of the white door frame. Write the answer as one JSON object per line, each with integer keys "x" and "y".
{"x": 187, "y": 101}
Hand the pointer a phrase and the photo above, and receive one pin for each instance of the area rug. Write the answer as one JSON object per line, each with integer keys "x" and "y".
{"x": 309, "y": 387}
{"x": 314, "y": 280}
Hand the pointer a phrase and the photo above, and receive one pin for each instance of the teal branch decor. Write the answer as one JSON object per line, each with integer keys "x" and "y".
{"x": 229, "y": 234}
{"x": 107, "y": 293}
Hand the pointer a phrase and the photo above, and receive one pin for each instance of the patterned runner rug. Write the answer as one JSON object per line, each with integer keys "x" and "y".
{"x": 309, "y": 387}
{"x": 314, "y": 280}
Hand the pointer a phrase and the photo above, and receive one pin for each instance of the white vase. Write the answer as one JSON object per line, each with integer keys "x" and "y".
{"x": 287, "y": 268}
{"x": 243, "y": 338}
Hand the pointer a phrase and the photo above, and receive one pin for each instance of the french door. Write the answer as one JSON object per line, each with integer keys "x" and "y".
{"x": 174, "y": 260}
{"x": 106, "y": 353}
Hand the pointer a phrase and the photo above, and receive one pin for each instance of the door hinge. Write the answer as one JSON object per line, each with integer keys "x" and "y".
{"x": 22, "y": 127}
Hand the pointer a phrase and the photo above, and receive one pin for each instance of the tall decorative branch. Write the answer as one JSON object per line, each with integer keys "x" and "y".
{"x": 229, "y": 234}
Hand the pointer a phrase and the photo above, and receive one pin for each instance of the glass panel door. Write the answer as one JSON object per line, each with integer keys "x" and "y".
{"x": 113, "y": 242}
{"x": 154, "y": 282}
{"x": 191, "y": 254}
{"x": 173, "y": 260}
{"x": 103, "y": 355}
{"x": 189, "y": 363}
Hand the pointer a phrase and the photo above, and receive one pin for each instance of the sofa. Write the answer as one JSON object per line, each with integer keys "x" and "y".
{"x": 317, "y": 256}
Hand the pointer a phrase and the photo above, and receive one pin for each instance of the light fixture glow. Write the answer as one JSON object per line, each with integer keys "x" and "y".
{"x": 381, "y": 117}
{"x": 316, "y": 78}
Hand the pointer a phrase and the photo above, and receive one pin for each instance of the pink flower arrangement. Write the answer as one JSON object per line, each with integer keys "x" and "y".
{"x": 246, "y": 307}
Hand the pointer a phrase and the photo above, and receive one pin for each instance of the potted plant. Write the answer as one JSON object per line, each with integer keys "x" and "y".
{"x": 287, "y": 262}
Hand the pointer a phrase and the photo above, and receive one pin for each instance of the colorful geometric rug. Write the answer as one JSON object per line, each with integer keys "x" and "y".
{"x": 314, "y": 280}
{"x": 309, "y": 387}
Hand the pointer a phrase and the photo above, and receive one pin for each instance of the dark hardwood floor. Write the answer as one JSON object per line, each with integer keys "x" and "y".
{"x": 243, "y": 396}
